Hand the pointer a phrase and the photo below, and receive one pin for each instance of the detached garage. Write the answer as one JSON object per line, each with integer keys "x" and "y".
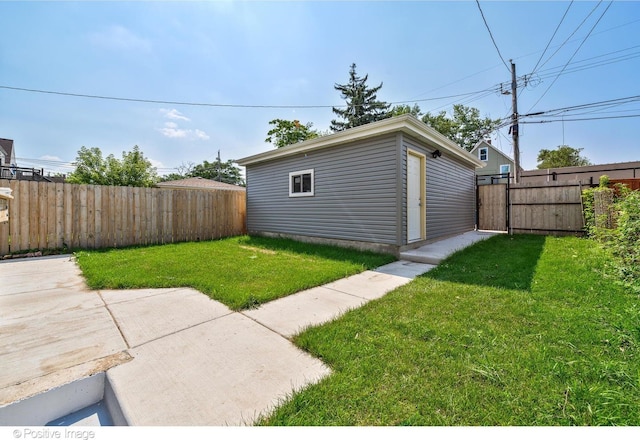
{"x": 388, "y": 186}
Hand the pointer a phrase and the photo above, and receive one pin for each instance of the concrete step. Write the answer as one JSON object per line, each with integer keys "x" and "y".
{"x": 434, "y": 253}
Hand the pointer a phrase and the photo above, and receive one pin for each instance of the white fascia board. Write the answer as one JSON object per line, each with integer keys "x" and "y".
{"x": 406, "y": 124}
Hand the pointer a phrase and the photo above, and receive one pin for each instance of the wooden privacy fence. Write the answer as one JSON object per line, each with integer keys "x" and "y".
{"x": 633, "y": 184}
{"x": 44, "y": 215}
{"x": 551, "y": 208}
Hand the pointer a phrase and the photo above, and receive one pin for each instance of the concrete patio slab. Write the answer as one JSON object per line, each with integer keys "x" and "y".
{"x": 146, "y": 317}
{"x": 36, "y": 274}
{"x": 52, "y": 329}
{"x": 36, "y": 347}
{"x": 41, "y": 303}
{"x": 30, "y": 388}
{"x": 118, "y": 296}
{"x": 223, "y": 372}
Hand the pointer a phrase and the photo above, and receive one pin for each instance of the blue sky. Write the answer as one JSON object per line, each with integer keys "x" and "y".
{"x": 254, "y": 56}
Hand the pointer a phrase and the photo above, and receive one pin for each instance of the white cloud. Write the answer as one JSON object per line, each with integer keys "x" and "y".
{"x": 173, "y": 114}
{"x": 119, "y": 38}
{"x": 172, "y": 130}
{"x": 201, "y": 134}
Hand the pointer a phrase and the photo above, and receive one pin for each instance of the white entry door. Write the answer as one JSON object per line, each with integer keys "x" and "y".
{"x": 415, "y": 197}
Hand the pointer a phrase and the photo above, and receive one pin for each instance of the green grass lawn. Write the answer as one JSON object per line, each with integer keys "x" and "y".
{"x": 516, "y": 330}
{"x": 240, "y": 272}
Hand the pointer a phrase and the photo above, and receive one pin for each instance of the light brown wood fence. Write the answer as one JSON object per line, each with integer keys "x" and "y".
{"x": 45, "y": 215}
{"x": 492, "y": 207}
{"x": 551, "y": 208}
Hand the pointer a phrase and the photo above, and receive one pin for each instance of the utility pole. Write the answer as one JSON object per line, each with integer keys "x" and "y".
{"x": 218, "y": 165}
{"x": 514, "y": 122}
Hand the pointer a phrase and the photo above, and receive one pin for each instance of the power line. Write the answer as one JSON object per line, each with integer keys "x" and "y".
{"x": 601, "y": 111}
{"x": 564, "y": 119}
{"x": 591, "y": 66}
{"x": 489, "y": 90}
{"x": 491, "y": 35}
{"x": 480, "y": 93}
{"x": 45, "y": 162}
{"x": 155, "y": 101}
{"x": 571, "y": 41}
{"x": 456, "y": 81}
{"x": 467, "y": 101}
{"x": 552, "y": 37}
{"x": 592, "y": 104}
{"x": 493, "y": 67}
{"x": 552, "y": 71}
{"x": 506, "y": 121}
{"x": 573, "y": 33}
{"x": 574, "y": 53}
{"x": 205, "y": 104}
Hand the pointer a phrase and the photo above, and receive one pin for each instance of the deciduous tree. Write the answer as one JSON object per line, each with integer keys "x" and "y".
{"x": 227, "y": 172}
{"x": 466, "y": 128}
{"x": 132, "y": 170}
{"x": 287, "y": 132}
{"x": 562, "y": 156}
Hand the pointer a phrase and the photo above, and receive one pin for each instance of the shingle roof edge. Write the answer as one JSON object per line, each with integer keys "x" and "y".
{"x": 407, "y": 124}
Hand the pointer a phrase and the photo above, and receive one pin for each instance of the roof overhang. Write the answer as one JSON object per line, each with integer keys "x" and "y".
{"x": 406, "y": 124}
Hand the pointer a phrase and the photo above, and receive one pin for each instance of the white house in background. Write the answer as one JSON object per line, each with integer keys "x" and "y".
{"x": 498, "y": 164}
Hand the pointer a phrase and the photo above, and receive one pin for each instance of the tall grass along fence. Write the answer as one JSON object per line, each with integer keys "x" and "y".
{"x": 613, "y": 219}
{"x": 45, "y": 215}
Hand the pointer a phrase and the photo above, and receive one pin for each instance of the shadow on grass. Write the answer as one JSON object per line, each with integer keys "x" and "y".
{"x": 369, "y": 259}
{"x": 505, "y": 261}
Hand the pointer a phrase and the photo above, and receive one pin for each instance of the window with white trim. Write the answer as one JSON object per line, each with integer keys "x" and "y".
{"x": 483, "y": 154}
{"x": 505, "y": 169}
{"x": 301, "y": 183}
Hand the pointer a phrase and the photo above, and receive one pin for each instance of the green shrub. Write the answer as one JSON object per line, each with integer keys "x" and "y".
{"x": 589, "y": 210}
{"x": 626, "y": 241}
{"x": 612, "y": 217}
{"x": 599, "y": 213}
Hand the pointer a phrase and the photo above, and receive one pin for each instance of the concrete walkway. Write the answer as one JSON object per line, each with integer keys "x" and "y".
{"x": 171, "y": 356}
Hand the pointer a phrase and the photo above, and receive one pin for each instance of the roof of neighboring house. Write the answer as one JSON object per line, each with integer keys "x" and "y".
{"x": 406, "y": 124}
{"x": 198, "y": 183}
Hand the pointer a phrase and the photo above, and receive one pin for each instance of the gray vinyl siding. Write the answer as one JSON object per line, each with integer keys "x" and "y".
{"x": 355, "y": 194}
{"x": 450, "y": 193}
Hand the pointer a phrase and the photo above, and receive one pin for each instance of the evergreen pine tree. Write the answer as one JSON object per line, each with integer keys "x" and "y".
{"x": 363, "y": 106}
